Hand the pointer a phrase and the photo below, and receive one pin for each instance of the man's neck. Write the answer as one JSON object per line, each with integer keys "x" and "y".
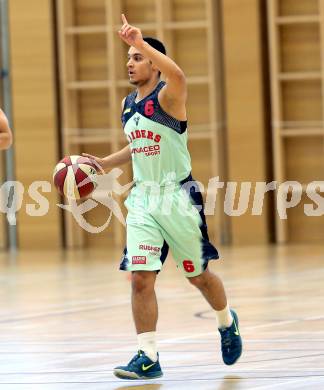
{"x": 146, "y": 89}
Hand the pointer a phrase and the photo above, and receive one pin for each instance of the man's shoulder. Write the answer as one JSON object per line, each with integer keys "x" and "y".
{"x": 130, "y": 97}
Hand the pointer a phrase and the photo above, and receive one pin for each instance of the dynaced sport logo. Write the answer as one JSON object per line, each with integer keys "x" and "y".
{"x": 151, "y": 150}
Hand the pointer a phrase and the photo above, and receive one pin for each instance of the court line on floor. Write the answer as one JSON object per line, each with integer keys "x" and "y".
{"x": 243, "y": 330}
{"x": 161, "y": 381}
{"x": 285, "y": 383}
{"x": 133, "y": 337}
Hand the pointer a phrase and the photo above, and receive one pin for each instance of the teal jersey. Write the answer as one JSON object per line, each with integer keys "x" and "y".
{"x": 158, "y": 141}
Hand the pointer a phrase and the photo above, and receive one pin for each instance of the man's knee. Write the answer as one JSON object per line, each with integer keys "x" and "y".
{"x": 201, "y": 280}
{"x": 143, "y": 281}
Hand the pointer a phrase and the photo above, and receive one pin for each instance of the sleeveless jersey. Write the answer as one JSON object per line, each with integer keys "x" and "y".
{"x": 158, "y": 141}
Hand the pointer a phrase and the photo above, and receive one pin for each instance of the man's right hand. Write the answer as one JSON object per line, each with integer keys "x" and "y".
{"x": 121, "y": 157}
{"x": 99, "y": 161}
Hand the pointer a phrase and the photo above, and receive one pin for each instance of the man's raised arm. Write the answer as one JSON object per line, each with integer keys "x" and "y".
{"x": 5, "y": 132}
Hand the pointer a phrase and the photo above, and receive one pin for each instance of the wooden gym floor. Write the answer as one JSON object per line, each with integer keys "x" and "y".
{"x": 66, "y": 322}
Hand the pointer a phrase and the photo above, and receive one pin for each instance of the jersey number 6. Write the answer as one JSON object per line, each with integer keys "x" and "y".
{"x": 149, "y": 108}
{"x": 188, "y": 266}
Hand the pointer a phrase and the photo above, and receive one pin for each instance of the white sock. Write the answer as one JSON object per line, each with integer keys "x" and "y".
{"x": 147, "y": 343}
{"x": 224, "y": 317}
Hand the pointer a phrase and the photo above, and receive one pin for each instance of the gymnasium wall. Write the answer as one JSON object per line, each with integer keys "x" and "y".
{"x": 34, "y": 116}
{"x": 246, "y": 129}
{"x": 245, "y": 146}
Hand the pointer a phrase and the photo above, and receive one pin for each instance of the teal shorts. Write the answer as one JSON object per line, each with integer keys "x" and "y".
{"x": 160, "y": 218}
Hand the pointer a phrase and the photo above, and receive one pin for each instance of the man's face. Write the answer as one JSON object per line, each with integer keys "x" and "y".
{"x": 139, "y": 68}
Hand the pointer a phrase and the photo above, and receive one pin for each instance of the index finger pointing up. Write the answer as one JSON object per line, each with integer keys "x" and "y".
{"x": 124, "y": 20}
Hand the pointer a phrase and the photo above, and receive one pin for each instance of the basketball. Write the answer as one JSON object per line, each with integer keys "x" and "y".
{"x": 74, "y": 176}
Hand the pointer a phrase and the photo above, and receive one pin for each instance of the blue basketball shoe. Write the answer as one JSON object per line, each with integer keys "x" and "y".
{"x": 231, "y": 341}
{"x": 140, "y": 367}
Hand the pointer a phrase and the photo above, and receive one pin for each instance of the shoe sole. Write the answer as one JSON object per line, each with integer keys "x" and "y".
{"x": 122, "y": 374}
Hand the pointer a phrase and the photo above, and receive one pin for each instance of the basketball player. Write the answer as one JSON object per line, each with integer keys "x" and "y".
{"x": 5, "y": 132}
{"x": 155, "y": 122}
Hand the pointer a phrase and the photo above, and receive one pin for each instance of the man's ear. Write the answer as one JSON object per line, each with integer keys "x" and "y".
{"x": 154, "y": 67}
